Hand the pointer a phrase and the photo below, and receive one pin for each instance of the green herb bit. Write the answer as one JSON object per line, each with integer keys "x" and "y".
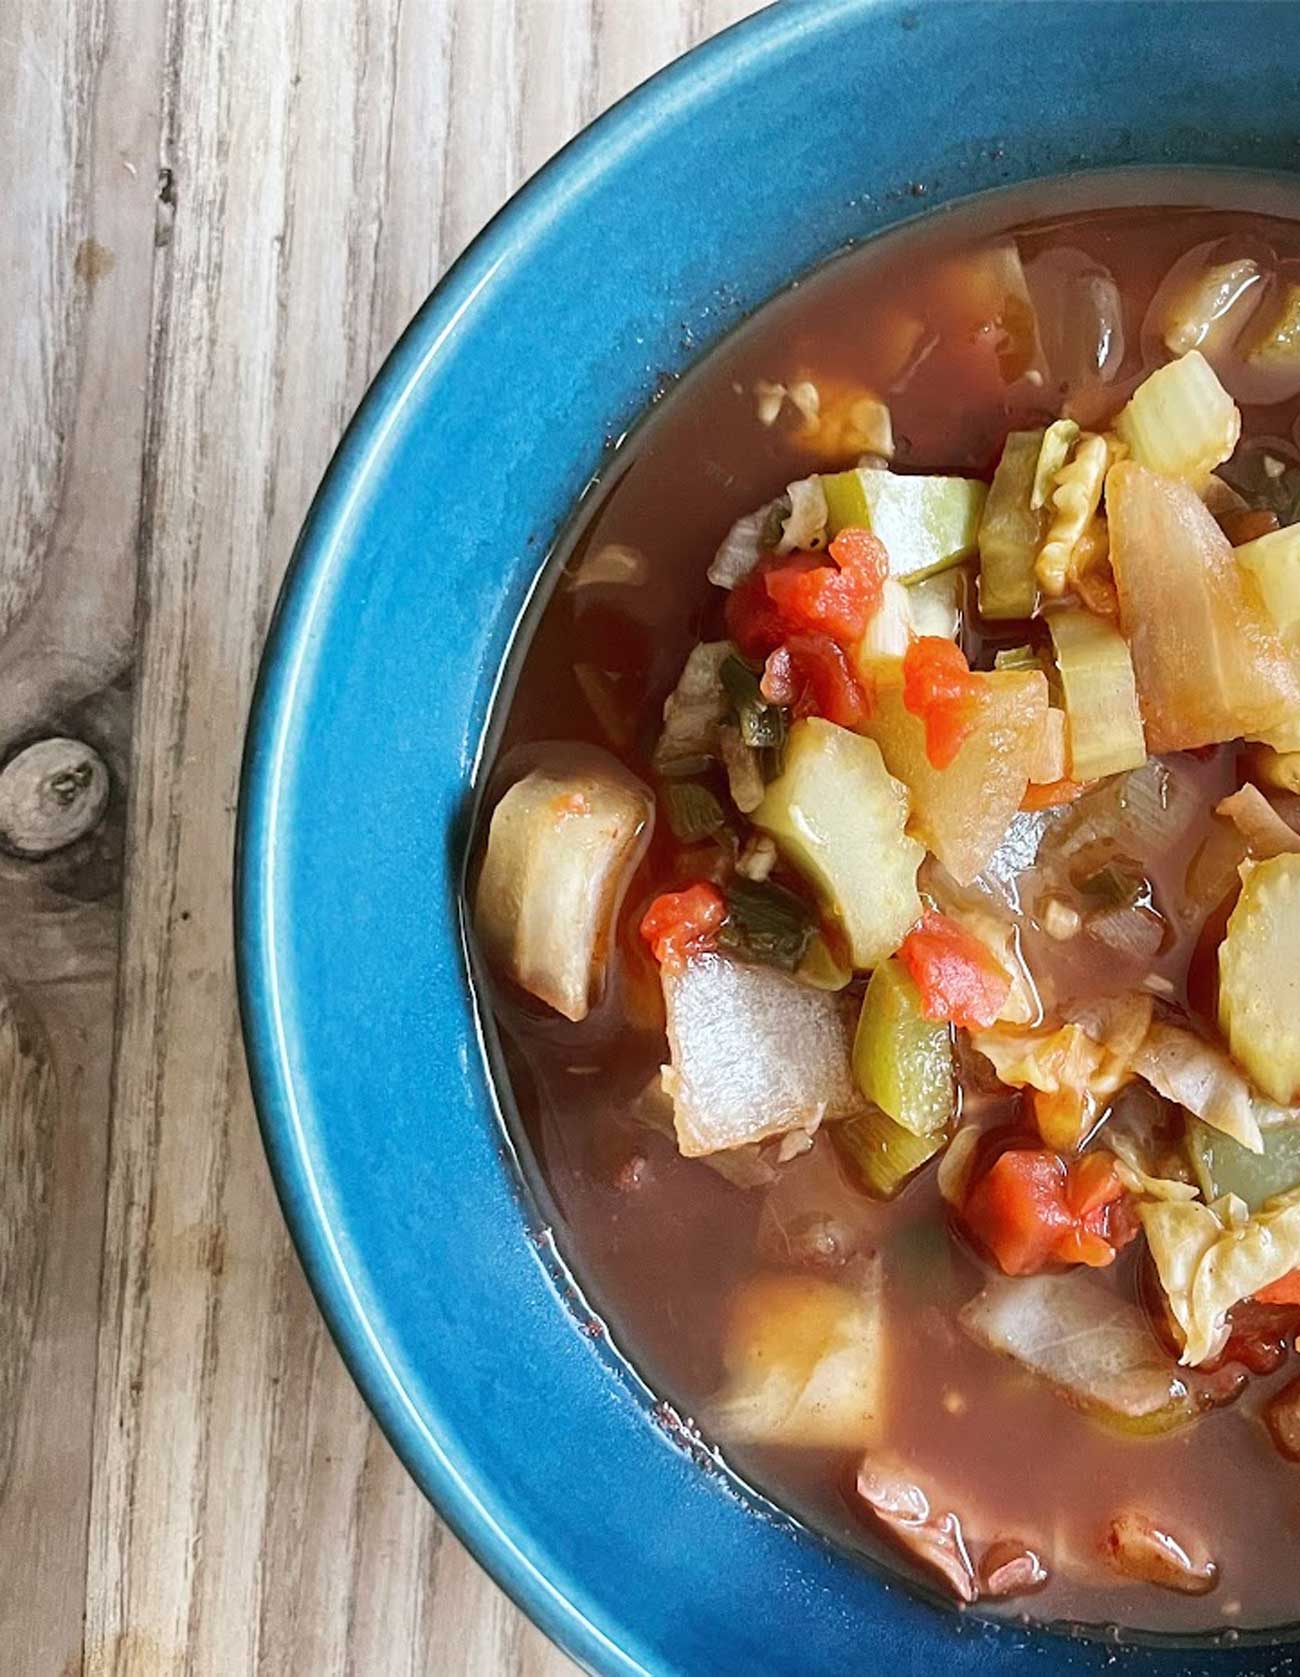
{"x": 767, "y": 924}
{"x": 692, "y": 810}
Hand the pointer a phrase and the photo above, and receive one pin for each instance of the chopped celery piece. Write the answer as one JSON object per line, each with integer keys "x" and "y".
{"x": 1279, "y": 343}
{"x": 938, "y": 603}
{"x": 1180, "y": 421}
{"x": 962, "y": 812}
{"x": 903, "y": 1061}
{"x": 839, "y": 817}
{"x": 881, "y": 1153}
{"x": 889, "y": 633}
{"x": 1017, "y": 658}
{"x": 1210, "y": 664}
{"x": 1274, "y": 562}
{"x": 1011, "y": 531}
{"x": 1224, "y": 1166}
{"x": 1259, "y": 978}
{"x": 821, "y": 968}
{"x": 926, "y": 523}
{"x": 1058, "y": 439}
{"x": 1104, "y": 728}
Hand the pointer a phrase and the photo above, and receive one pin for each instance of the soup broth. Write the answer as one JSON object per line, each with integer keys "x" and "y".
{"x": 963, "y": 327}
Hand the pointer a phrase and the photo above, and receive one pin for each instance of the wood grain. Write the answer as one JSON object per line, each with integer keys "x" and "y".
{"x": 219, "y": 216}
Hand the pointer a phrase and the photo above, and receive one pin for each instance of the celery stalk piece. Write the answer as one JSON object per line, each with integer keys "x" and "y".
{"x": 1103, "y": 724}
{"x": 838, "y": 816}
{"x": 1180, "y": 421}
{"x": 1011, "y": 531}
{"x": 882, "y": 1154}
{"x": 903, "y": 1061}
{"x": 1224, "y": 1166}
{"x": 1259, "y": 978}
{"x": 1274, "y": 562}
{"x": 926, "y": 523}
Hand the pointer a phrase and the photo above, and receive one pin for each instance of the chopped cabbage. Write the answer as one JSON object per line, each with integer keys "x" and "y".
{"x": 741, "y": 548}
{"x": 562, "y": 845}
{"x": 1094, "y": 1347}
{"x": 1196, "y": 1075}
{"x": 805, "y": 1361}
{"x": 1180, "y": 421}
{"x": 694, "y": 711}
{"x": 938, "y": 603}
{"x": 755, "y": 1053}
{"x": 1211, "y": 1257}
{"x": 1259, "y": 978}
{"x": 1058, "y": 439}
{"x": 804, "y": 531}
{"x": 1073, "y": 1068}
{"x": 1075, "y": 497}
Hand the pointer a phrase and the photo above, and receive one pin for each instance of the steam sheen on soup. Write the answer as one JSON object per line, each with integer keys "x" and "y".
{"x": 889, "y": 881}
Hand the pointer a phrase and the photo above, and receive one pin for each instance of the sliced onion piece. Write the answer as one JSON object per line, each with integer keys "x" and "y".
{"x": 1265, "y": 832}
{"x": 562, "y": 845}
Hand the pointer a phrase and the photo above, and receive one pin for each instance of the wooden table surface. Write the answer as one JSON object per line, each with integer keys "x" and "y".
{"x": 217, "y": 216}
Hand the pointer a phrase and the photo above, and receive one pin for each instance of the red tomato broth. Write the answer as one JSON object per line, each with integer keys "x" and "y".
{"x": 659, "y": 1241}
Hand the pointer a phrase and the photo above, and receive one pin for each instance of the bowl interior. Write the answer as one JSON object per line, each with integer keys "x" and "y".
{"x": 777, "y": 144}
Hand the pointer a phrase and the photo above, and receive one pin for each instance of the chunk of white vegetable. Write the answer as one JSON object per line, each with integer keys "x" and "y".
{"x": 755, "y": 1053}
{"x": 805, "y": 1361}
{"x": 562, "y": 845}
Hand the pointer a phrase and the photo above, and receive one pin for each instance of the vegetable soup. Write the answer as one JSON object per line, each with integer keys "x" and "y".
{"x": 888, "y": 887}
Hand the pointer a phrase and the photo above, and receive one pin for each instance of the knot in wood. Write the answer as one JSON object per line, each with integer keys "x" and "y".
{"x": 51, "y": 794}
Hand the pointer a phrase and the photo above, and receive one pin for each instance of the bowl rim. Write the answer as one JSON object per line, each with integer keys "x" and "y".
{"x": 303, "y": 594}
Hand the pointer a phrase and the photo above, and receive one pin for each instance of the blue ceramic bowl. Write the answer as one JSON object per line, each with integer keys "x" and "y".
{"x": 810, "y": 126}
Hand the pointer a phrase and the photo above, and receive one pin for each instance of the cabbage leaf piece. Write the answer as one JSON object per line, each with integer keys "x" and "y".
{"x": 1073, "y": 1067}
{"x": 1196, "y": 1075}
{"x": 1094, "y": 1347}
{"x": 804, "y": 1360}
{"x": 1211, "y": 1257}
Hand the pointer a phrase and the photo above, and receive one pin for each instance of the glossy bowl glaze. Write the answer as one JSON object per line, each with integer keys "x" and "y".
{"x": 817, "y": 123}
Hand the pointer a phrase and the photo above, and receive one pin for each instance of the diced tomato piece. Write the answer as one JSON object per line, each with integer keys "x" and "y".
{"x": 682, "y": 923}
{"x": 752, "y": 617}
{"x": 1285, "y": 1291}
{"x": 958, "y": 976}
{"x": 811, "y": 674}
{"x": 939, "y": 687}
{"x": 1030, "y": 1209}
{"x": 1052, "y": 793}
{"x": 838, "y": 600}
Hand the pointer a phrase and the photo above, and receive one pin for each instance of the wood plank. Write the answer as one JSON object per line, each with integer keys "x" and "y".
{"x": 328, "y": 158}
{"x": 77, "y": 206}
